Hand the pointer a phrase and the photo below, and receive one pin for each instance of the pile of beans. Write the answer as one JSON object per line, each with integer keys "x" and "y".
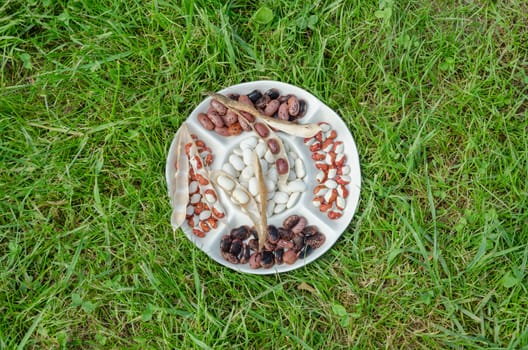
{"x": 280, "y": 196}
{"x": 270, "y": 103}
{"x": 333, "y": 174}
{"x": 294, "y": 240}
{"x": 204, "y": 209}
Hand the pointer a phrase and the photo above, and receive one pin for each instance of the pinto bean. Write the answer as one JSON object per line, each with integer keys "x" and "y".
{"x": 271, "y": 107}
{"x": 261, "y": 129}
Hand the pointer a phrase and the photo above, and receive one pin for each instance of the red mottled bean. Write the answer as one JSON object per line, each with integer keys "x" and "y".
{"x": 271, "y": 107}
{"x": 282, "y": 166}
{"x": 222, "y": 131}
{"x": 205, "y": 121}
{"x": 273, "y": 146}
{"x": 250, "y": 117}
{"x": 230, "y": 118}
{"x": 216, "y": 119}
{"x": 246, "y": 100}
{"x": 261, "y": 129}
{"x": 293, "y": 106}
{"x": 244, "y": 124}
{"x": 283, "y": 112}
{"x": 219, "y": 107}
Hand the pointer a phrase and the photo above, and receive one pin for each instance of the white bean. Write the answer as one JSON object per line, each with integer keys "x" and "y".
{"x": 293, "y": 199}
{"x": 300, "y": 171}
{"x": 249, "y": 143}
{"x": 260, "y": 148}
{"x": 228, "y": 168}
{"x": 239, "y": 196}
{"x": 247, "y": 156}
{"x": 296, "y": 186}
{"x": 253, "y": 186}
{"x": 237, "y": 151}
{"x": 270, "y": 207}
{"x": 279, "y": 208}
{"x": 225, "y": 183}
{"x": 293, "y": 155}
{"x": 247, "y": 173}
{"x": 236, "y": 162}
{"x": 280, "y": 197}
{"x": 269, "y": 157}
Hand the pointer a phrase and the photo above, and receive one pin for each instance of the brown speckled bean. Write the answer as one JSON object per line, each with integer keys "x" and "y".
{"x": 205, "y": 121}
{"x": 250, "y": 117}
{"x": 244, "y": 125}
{"x": 289, "y": 257}
{"x": 299, "y": 226}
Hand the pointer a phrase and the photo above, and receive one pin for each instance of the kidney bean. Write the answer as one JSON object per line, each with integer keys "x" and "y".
{"x": 261, "y": 129}
{"x": 250, "y": 117}
{"x": 282, "y": 166}
{"x": 273, "y": 146}
{"x": 205, "y": 121}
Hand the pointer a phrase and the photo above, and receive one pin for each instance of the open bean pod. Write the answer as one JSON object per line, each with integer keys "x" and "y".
{"x": 180, "y": 196}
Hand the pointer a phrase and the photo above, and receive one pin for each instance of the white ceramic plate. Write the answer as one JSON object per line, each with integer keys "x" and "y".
{"x": 316, "y": 112}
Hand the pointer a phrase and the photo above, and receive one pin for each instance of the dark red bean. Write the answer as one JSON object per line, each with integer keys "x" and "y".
{"x": 205, "y": 121}
{"x": 273, "y": 146}
{"x": 254, "y": 95}
{"x": 219, "y": 107}
{"x": 283, "y": 113}
{"x": 282, "y": 166}
{"x": 261, "y": 129}
{"x": 271, "y": 108}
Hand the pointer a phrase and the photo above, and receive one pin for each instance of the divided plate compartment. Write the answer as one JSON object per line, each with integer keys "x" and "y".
{"x": 316, "y": 112}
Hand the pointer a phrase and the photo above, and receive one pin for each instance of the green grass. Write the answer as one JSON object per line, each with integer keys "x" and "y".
{"x": 435, "y": 94}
